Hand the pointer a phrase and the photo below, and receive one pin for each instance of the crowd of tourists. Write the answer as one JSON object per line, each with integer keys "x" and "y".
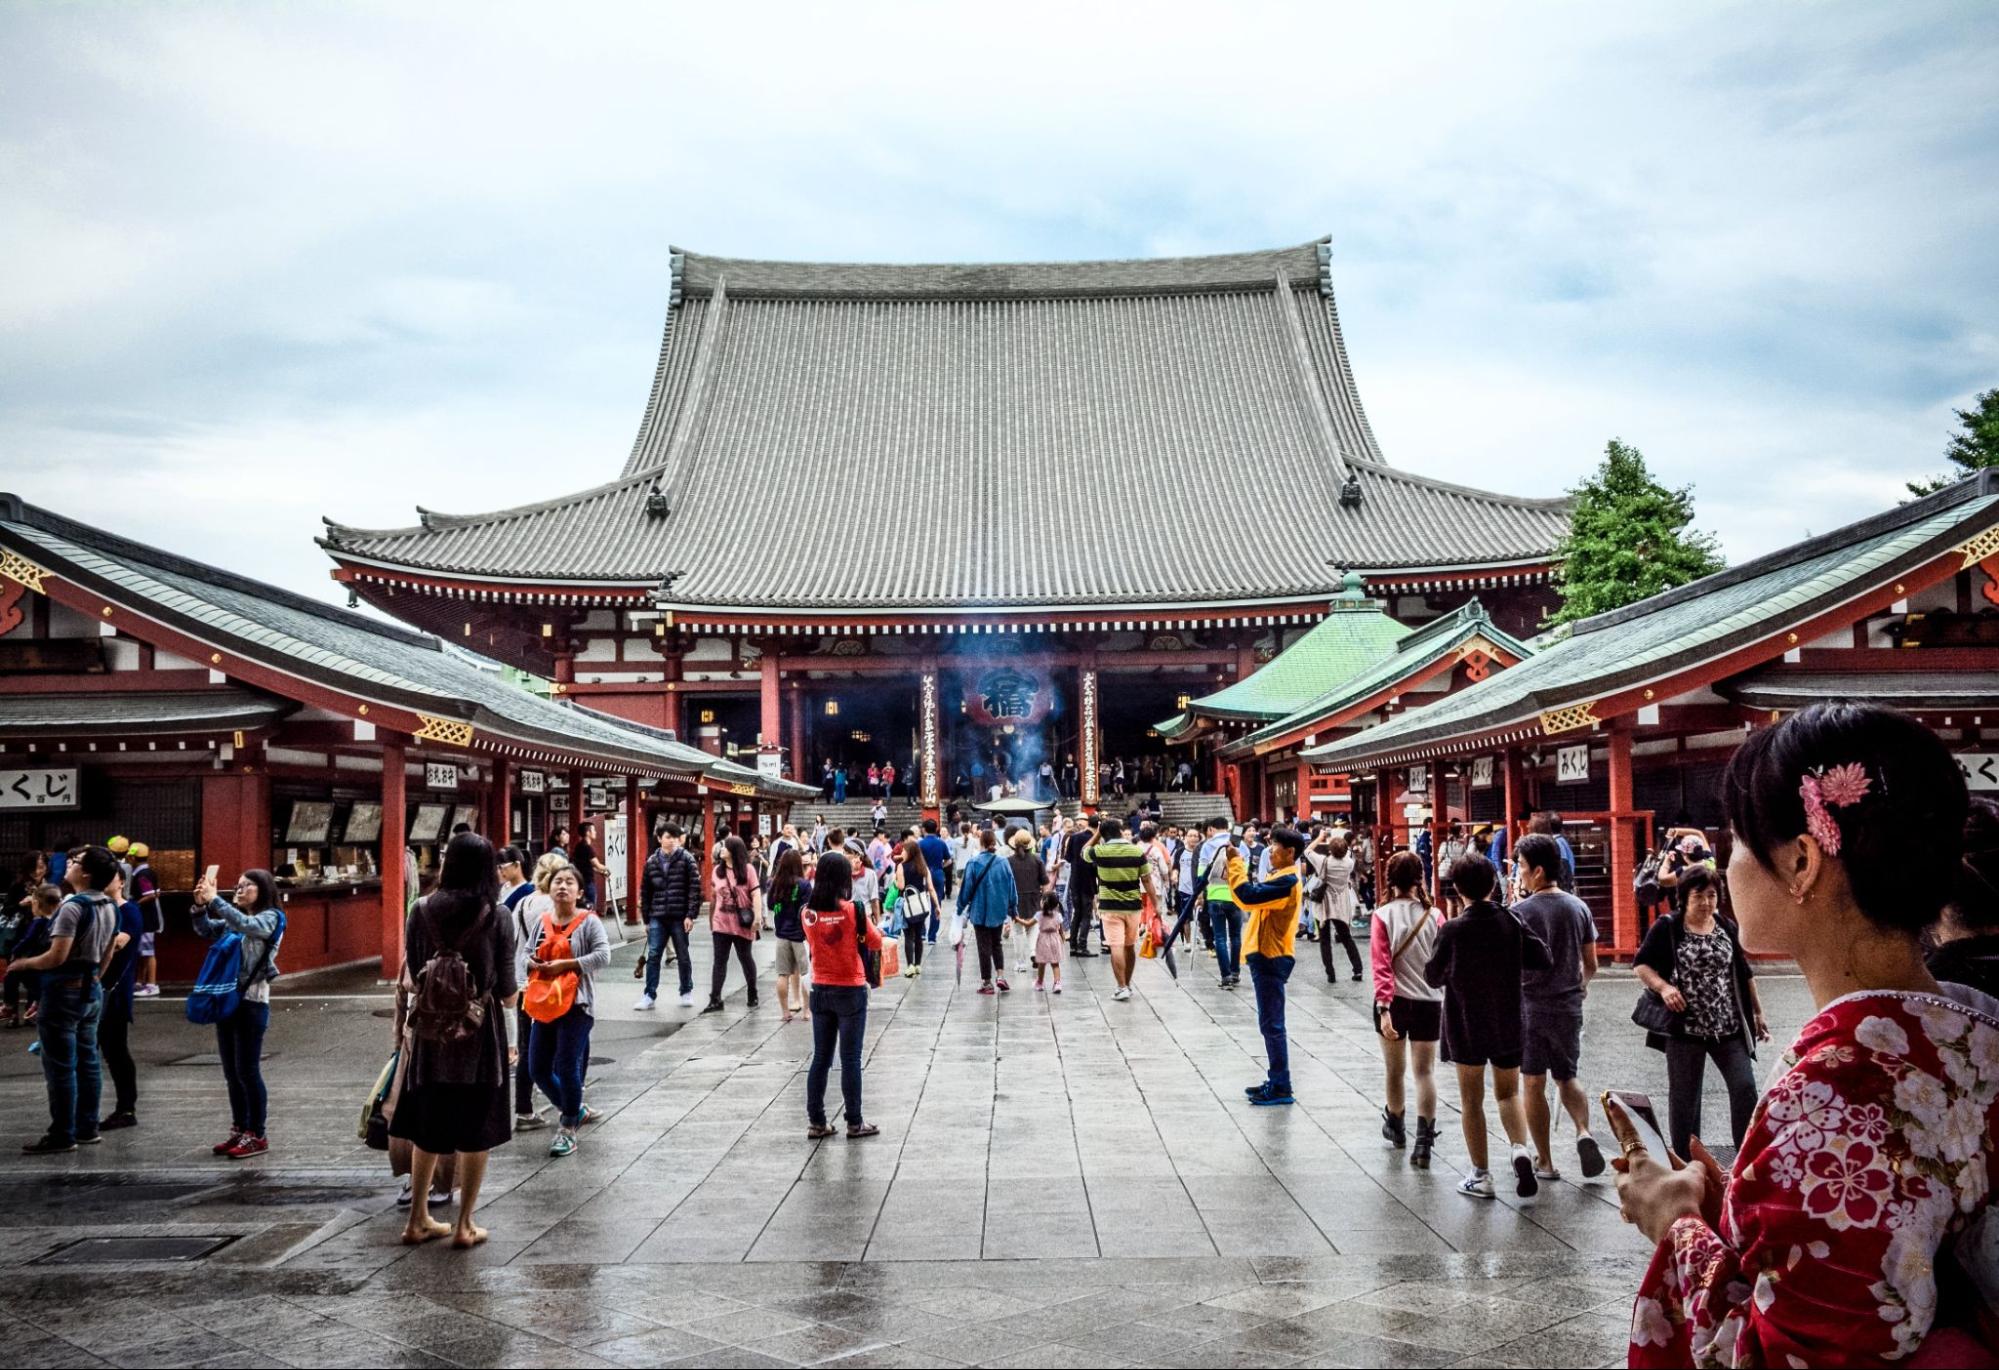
{"x": 1849, "y": 1225}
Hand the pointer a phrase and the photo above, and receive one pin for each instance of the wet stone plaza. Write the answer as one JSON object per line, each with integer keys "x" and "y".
{"x": 1058, "y": 1181}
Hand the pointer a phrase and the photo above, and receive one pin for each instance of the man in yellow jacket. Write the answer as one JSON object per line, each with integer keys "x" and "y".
{"x": 1272, "y": 906}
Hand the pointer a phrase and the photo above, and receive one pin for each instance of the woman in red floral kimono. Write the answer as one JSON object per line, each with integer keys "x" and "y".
{"x": 1849, "y": 1231}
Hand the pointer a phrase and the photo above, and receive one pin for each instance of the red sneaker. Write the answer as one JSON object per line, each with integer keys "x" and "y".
{"x": 224, "y": 1148}
{"x": 1004, "y": 987}
{"x": 249, "y": 1144}
{"x": 985, "y": 989}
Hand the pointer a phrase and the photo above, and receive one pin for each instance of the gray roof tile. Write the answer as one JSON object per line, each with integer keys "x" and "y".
{"x": 997, "y": 436}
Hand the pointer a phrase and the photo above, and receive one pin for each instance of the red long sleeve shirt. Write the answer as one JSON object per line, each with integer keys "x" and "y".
{"x": 836, "y": 955}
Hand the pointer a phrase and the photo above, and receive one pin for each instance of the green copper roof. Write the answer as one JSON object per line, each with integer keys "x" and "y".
{"x": 1353, "y": 638}
{"x": 1699, "y": 622}
{"x": 1418, "y": 648}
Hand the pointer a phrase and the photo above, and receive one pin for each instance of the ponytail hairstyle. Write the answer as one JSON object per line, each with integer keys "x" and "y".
{"x": 1405, "y": 877}
{"x": 1877, "y": 791}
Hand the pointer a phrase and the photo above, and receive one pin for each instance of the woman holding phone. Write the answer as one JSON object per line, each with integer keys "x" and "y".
{"x": 252, "y": 911}
{"x": 1873, "y": 1151}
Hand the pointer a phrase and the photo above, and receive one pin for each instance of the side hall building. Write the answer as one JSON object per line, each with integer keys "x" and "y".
{"x": 964, "y": 518}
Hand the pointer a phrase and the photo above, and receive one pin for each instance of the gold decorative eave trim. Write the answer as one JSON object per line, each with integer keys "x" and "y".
{"x": 1982, "y": 545}
{"x": 18, "y": 568}
{"x": 450, "y": 732}
{"x": 1569, "y": 718}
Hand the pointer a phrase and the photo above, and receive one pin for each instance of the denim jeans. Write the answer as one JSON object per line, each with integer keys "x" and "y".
{"x": 561, "y": 1052}
{"x": 659, "y": 931}
{"x": 1267, "y": 975}
{"x": 839, "y": 1012}
{"x": 1225, "y": 927}
{"x": 239, "y": 1039}
{"x": 66, "y": 1023}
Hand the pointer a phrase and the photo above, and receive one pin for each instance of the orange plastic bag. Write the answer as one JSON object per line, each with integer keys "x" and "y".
{"x": 891, "y": 959}
{"x": 548, "y": 997}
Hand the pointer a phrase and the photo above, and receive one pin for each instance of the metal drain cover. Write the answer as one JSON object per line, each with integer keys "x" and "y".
{"x": 112, "y": 1250}
{"x": 603, "y": 1060}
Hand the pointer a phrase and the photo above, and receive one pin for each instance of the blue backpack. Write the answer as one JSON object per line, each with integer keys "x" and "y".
{"x": 218, "y": 989}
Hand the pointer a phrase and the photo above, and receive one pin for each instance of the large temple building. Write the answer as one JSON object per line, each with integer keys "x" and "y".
{"x": 965, "y": 518}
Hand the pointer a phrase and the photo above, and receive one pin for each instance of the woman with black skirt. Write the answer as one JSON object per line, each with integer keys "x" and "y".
{"x": 454, "y": 1091}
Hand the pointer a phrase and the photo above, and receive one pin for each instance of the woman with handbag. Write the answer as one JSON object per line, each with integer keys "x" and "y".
{"x": 1408, "y": 1010}
{"x": 1700, "y": 1003}
{"x": 917, "y": 906}
{"x": 734, "y": 920}
{"x": 569, "y": 948}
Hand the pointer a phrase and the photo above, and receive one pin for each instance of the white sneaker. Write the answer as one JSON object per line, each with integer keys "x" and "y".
{"x": 531, "y": 1122}
{"x": 1122, "y": 994}
{"x": 1477, "y": 1185}
{"x": 645, "y": 1002}
{"x": 407, "y": 1196}
{"x": 687, "y": 999}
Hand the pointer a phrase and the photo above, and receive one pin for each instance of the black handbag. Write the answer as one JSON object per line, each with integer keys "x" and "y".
{"x": 1651, "y": 1013}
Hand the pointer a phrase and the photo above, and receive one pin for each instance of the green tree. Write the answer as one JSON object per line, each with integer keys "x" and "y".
{"x": 1974, "y": 449}
{"x": 1628, "y": 539}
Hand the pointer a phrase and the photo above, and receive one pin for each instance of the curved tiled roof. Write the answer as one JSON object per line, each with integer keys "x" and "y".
{"x": 1055, "y": 434}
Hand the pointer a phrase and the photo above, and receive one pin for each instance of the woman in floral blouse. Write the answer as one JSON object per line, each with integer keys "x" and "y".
{"x": 1834, "y": 1240}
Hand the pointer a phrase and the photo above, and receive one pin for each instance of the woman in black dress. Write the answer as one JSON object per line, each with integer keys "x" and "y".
{"x": 454, "y": 1091}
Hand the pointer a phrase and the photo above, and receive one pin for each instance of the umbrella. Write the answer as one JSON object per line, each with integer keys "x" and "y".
{"x": 1013, "y": 808}
{"x": 961, "y": 962}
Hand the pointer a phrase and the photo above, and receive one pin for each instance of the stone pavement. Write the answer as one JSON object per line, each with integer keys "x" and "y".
{"x": 1058, "y": 1181}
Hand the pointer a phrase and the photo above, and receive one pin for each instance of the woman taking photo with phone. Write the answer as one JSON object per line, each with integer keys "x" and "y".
{"x": 1873, "y": 1150}
{"x": 252, "y": 912}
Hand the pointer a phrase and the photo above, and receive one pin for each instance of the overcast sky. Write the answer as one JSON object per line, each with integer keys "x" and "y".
{"x": 260, "y": 263}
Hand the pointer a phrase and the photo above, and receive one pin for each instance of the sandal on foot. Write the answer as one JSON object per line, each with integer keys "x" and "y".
{"x": 818, "y": 1130}
{"x": 864, "y": 1130}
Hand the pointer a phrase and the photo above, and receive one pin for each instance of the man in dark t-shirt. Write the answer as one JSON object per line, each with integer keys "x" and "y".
{"x": 937, "y": 856}
{"x": 1082, "y": 885}
{"x": 1551, "y": 1002}
{"x": 583, "y": 856}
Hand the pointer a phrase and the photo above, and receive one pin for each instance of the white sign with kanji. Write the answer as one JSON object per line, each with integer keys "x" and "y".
{"x": 440, "y": 775}
{"x": 39, "y": 789}
{"x": 533, "y": 782}
{"x": 1572, "y": 764}
{"x": 1981, "y": 770}
{"x": 1481, "y": 772}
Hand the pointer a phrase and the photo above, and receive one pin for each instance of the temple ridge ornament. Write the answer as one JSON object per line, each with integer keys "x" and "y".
{"x": 450, "y": 732}
{"x": 1477, "y": 659}
{"x": 1569, "y": 717}
{"x": 1982, "y": 547}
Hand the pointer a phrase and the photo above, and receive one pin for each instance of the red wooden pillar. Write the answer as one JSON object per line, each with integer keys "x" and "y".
{"x": 1440, "y": 814}
{"x": 1515, "y": 798}
{"x": 797, "y": 738}
{"x": 1623, "y": 852}
{"x": 768, "y": 734}
{"x": 500, "y": 803}
{"x": 638, "y": 844}
{"x": 707, "y": 838}
{"x": 576, "y": 804}
{"x": 1384, "y": 834}
{"x": 395, "y": 824}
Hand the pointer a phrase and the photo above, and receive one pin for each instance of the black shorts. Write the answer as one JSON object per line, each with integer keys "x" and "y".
{"x": 1418, "y": 1020}
{"x": 1550, "y": 1044}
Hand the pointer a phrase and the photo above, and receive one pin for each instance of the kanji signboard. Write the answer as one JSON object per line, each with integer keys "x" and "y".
{"x": 39, "y": 789}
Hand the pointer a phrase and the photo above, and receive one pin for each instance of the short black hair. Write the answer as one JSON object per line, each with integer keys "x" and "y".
{"x": 1147, "y": 831}
{"x": 1289, "y": 838}
{"x": 1538, "y": 851}
{"x": 1110, "y": 827}
{"x": 1216, "y": 824}
{"x": 930, "y": 826}
{"x": 97, "y": 864}
{"x": 457, "y": 828}
{"x": 509, "y": 856}
{"x": 1901, "y": 843}
{"x": 1696, "y": 878}
{"x": 1473, "y": 876}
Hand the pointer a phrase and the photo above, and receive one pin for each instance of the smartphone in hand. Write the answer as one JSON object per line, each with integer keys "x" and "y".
{"x": 1631, "y": 1115}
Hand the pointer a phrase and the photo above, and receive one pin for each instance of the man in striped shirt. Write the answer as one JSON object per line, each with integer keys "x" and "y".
{"x": 1121, "y": 873}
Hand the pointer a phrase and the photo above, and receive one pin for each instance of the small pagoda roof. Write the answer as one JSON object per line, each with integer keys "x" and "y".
{"x": 1355, "y": 636}
{"x": 355, "y": 656}
{"x": 1748, "y": 614}
{"x": 1419, "y": 649}
{"x": 1041, "y": 435}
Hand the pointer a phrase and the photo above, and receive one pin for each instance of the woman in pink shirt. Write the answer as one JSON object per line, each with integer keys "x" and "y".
{"x": 734, "y": 919}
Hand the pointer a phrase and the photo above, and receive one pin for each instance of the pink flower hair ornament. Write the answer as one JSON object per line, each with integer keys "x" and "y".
{"x": 1831, "y": 787}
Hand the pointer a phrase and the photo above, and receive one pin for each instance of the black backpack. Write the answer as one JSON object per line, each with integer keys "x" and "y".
{"x": 446, "y": 1007}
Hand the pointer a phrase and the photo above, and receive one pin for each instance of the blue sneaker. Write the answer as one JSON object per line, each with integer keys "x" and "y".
{"x": 1254, "y": 1090}
{"x": 1270, "y": 1098}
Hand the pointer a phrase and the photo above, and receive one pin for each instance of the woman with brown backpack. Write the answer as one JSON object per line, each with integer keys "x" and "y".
{"x": 568, "y": 950}
{"x": 457, "y": 985}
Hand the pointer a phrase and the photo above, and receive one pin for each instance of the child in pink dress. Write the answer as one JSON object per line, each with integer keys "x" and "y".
{"x": 1048, "y": 940}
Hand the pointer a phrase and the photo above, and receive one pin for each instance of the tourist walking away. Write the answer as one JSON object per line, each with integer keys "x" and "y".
{"x": 1048, "y": 942}
{"x": 569, "y": 947}
{"x": 916, "y": 905}
{"x": 988, "y": 897}
{"x": 1224, "y": 914}
{"x": 1332, "y": 867}
{"x": 937, "y": 856}
{"x": 1700, "y": 1005}
{"x": 70, "y": 1000}
{"x": 524, "y": 922}
{"x": 842, "y": 937}
{"x": 1833, "y": 1238}
{"x": 1120, "y": 866}
{"x": 583, "y": 856}
{"x": 671, "y": 898}
{"x": 1966, "y": 938}
{"x": 1082, "y": 884}
{"x": 1551, "y": 1004}
{"x": 1030, "y": 880}
{"x": 1478, "y": 963}
{"x": 120, "y": 984}
{"x": 234, "y": 993}
{"x": 456, "y": 990}
{"x": 1272, "y": 905}
{"x": 1408, "y": 1009}
{"x": 735, "y": 918}
{"x": 789, "y": 889}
